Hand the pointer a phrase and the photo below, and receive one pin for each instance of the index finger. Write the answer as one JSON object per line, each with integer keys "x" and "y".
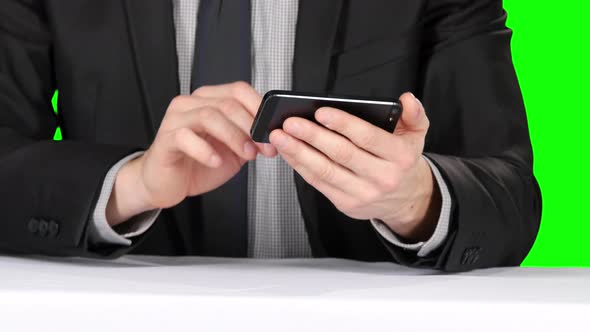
{"x": 243, "y": 92}
{"x": 360, "y": 132}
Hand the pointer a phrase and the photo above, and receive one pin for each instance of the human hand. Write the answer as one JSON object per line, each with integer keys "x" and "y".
{"x": 365, "y": 171}
{"x": 202, "y": 142}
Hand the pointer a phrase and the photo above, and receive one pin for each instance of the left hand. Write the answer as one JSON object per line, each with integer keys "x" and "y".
{"x": 365, "y": 171}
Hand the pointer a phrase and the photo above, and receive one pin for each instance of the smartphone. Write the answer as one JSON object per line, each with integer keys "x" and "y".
{"x": 278, "y": 105}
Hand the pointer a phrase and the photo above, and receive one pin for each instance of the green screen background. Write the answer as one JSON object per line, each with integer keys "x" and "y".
{"x": 551, "y": 52}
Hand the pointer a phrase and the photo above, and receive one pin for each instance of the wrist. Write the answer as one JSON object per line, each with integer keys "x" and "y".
{"x": 419, "y": 217}
{"x": 129, "y": 197}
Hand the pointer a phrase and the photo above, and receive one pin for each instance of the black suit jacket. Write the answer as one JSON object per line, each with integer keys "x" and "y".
{"x": 115, "y": 65}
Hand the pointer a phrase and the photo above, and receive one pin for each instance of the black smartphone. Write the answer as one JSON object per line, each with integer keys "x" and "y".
{"x": 277, "y": 106}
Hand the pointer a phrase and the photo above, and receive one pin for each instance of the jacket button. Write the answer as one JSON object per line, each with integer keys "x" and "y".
{"x": 43, "y": 227}
{"x": 470, "y": 255}
{"x": 53, "y": 228}
{"x": 33, "y": 225}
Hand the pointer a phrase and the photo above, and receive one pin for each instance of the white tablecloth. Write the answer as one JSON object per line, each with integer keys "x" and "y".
{"x": 140, "y": 293}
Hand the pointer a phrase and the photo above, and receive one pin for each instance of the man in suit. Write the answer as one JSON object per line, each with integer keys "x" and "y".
{"x": 156, "y": 101}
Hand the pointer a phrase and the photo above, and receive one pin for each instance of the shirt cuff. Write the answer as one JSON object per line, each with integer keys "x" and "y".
{"x": 442, "y": 228}
{"x": 99, "y": 230}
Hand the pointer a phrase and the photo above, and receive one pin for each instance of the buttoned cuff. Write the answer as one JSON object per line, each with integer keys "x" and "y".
{"x": 99, "y": 230}
{"x": 441, "y": 231}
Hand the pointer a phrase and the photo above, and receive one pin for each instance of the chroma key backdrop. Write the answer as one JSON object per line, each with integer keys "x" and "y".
{"x": 551, "y": 53}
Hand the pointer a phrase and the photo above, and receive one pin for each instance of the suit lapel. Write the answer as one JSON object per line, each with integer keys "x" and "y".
{"x": 317, "y": 26}
{"x": 152, "y": 35}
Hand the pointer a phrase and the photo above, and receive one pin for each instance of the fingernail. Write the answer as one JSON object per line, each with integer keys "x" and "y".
{"x": 250, "y": 149}
{"x": 214, "y": 161}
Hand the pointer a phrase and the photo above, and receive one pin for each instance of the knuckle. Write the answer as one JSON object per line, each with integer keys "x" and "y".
{"x": 389, "y": 183}
{"x": 406, "y": 161}
{"x": 236, "y": 135}
{"x": 240, "y": 87}
{"x": 349, "y": 206}
{"x": 180, "y": 102}
{"x": 326, "y": 173}
{"x": 176, "y": 100}
{"x": 208, "y": 114}
{"x": 343, "y": 155}
{"x": 369, "y": 196}
{"x": 170, "y": 121}
{"x": 367, "y": 138}
{"x": 314, "y": 180}
{"x": 341, "y": 206}
{"x": 199, "y": 92}
{"x": 180, "y": 135}
{"x": 229, "y": 106}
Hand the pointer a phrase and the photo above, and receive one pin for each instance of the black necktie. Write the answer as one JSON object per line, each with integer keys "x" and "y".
{"x": 222, "y": 55}
{"x": 222, "y": 47}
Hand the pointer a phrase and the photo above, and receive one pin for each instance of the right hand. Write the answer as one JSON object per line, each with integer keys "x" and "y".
{"x": 203, "y": 142}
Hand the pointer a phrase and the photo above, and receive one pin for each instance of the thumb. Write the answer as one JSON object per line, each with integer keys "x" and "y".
{"x": 413, "y": 119}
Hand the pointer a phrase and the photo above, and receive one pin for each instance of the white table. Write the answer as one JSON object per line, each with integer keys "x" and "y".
{"x": 140, "y": 293}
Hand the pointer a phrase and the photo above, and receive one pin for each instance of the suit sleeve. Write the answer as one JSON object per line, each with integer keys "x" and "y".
{"x": 47, "y": 189}
{"x": 478, "y": 138}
